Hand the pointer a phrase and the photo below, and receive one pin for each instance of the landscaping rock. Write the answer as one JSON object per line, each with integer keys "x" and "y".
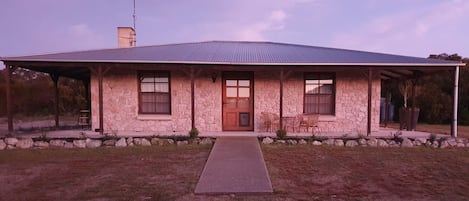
{"x": 145, "y": 142}
{"x": 435, "y": 144}
{"x": 109, "y": 143}
{"x": 169, "y": 141}
{"x": 293, "y": 142}
{"x": 382, "y": 143}
{"x": 339, "y": 143}
{"x": 452, "y": 142}
{"x": 267, "y": 140}
{"x": 9, "y": 146}
{"x": 351, "y": 143}
{"x": 372, "y": 142}
{"x": 130, "y": 141}
{"x": 444, "y": 144}
{"x": 316, "y": 143}
{"x": 280, "y": 141}
{"x": 328, "y": 142}
{"x": 420, "y": 140}
{"x": 93, "y": 143}
{"x": 302, "y": 141}
{"x": 406, "y": 142}
{"x": 79, "y": 143}
{"x": 68, "y": 145}
{"x": 460, "y": 145}
{"x": 362, "y": 142}
{"x": 41, "y": 144}
{"x": 156, "y": 141}
{"x": 25, "y": 143}
{"x": 56, "y": 143}
{"x": 183, "y": 142}
{"x": 428, "y": 144}
{"x": 121, "y": 143}
{"x": 3, "y": 145}
{"x": 142, "y": 142}
{"x": 11, "y": 141}
{"x": 208, "y": 141}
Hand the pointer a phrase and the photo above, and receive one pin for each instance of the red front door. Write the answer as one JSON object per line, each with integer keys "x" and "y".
{"x": 238, "y": 101}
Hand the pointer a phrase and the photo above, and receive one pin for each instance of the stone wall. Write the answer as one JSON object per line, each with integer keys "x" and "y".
{"x": 120, "y": 92}
{"x": 120, "y": 97}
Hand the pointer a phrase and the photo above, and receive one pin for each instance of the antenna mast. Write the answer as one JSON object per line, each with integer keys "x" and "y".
{"x": 135, "y": 29}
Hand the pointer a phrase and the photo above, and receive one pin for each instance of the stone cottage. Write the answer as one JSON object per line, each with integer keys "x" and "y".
{"x": 226, "y": 85}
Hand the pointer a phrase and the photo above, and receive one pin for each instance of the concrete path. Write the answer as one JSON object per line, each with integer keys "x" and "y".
{"x": 235, "y": 165}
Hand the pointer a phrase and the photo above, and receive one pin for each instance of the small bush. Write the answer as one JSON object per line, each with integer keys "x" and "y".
{"x": 193, "y": 133}
{"x": 281, "y": 133}
{"x": 432, "y": 138}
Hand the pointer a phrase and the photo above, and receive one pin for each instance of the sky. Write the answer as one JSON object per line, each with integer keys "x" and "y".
{"x": 404, "y": 27}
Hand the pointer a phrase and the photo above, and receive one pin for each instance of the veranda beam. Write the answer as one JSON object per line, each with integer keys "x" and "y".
{"x": 55, "y": 79}
{"x": 8, "y": 94}
{"x": 454, "y": 124}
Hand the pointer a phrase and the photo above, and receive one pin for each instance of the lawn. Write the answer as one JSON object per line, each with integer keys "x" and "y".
{"x": 302, "y": 172}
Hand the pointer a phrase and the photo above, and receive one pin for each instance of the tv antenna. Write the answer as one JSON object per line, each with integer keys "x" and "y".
{"x": 135, "y": 28}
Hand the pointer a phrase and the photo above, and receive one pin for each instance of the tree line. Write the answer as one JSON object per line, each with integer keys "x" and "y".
{"x": 434, "y": 94}
{"x": 33, "y": 94}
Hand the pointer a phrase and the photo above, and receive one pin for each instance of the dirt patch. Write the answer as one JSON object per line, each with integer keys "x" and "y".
{"x": 297, "y": 173}
{"x": 325, "y": 173}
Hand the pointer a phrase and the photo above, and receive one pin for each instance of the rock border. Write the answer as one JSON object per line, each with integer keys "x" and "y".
{"x": 7, "y": 143}
{"x": 442, "y": 142}
{"x": 42, "y": 143}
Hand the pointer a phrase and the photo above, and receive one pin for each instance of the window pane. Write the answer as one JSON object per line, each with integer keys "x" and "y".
{"x": 244, "y": 92}
{"x": 231, "y": 92}
{"x": 325, "y": 89}
{"x": 147, "y": 87}
{"x": 148, "y": 79}
{"x": 311, "y": 89}
{"x": 155, "y": 96}
{"x": 161, "y": 87}
{"x": 161, "y": 79}
{"x": 319, "y": 93}
{"x": 231, "y": 83}
{"x": 244, "y": 83}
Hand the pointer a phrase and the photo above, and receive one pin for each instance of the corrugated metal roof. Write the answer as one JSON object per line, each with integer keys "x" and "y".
{"x": 236, "y": 53}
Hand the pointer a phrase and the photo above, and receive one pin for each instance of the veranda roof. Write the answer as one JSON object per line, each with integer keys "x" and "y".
{"x": 226, "y": 53}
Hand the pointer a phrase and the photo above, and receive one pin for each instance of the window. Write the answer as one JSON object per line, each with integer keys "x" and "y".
{"x": 154, "y": 93}
{"x": 319, "y": 93}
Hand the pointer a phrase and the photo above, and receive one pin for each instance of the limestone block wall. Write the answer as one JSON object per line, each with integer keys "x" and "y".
{"x": 120, "y": 97}
{"x": 352, "y": 103}
{"x": 351, "y": 107}
{"x": 208, "y": 102}
{"x": 266, "y": 96}
{"x": 120, "y": 92}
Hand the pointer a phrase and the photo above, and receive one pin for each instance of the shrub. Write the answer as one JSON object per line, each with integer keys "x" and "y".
{"x": 281, "y": 133}
{"x": 432, "y": 138}
{"x": 193, "y": 133}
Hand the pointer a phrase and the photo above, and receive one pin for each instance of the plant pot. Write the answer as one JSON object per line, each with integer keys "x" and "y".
{"x": 405, "y": 115}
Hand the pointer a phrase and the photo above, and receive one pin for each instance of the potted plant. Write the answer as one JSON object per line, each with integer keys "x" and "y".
{"x": 405, "y": 112}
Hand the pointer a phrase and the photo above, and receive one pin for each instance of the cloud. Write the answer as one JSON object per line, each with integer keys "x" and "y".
{"x": 82, "y": 36}
{"x": 275, "y": 22}
{"x": 414, "y": 33}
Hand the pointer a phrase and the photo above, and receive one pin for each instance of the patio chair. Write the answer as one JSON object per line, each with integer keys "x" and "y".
{"x": 271, "y": 121}
{"x": 308, "y": 121}
{"x": 266, "y": 121}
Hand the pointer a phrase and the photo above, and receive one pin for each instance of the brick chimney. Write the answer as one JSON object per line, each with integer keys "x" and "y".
{"x": 126, "y": 37}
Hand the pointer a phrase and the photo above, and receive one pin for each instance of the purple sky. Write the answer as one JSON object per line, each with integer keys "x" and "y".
{"x": 405, "y": 27}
